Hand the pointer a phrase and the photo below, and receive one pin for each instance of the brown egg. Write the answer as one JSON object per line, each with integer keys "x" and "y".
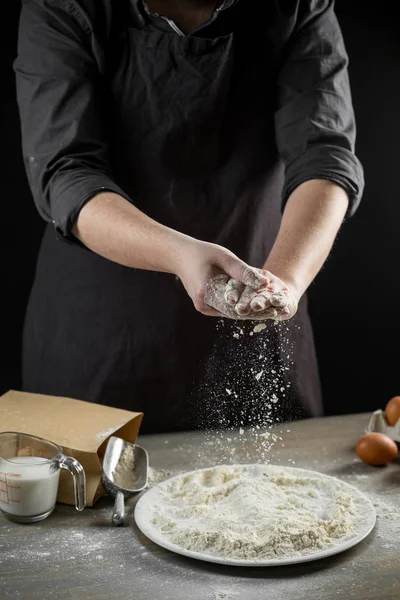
{"x": 376, "y": 449}
{"x": 392, "y": 411}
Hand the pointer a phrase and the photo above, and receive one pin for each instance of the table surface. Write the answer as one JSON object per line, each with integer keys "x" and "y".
{"x": 81, "y": 556}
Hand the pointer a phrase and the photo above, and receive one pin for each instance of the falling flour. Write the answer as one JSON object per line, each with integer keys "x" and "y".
{"x": 256, "y": 512}
{"x": 247, "y": 384}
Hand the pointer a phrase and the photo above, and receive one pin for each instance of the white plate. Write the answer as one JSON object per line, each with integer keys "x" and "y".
{"x": 144, "y": 514}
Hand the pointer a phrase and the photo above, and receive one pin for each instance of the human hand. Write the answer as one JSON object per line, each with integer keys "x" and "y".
{"x": 274, "y": 300}
{"x": 205, "y": 270}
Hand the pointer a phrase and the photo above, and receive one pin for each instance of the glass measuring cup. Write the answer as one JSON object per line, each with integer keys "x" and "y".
{"x": 29, "y": 475}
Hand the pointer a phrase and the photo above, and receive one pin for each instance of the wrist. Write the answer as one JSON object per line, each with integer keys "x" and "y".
{"x": 178, "y": 250}
{"x": 291, "y": 279}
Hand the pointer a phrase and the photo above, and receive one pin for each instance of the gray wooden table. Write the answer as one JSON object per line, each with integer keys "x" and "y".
{"x": 80, "y": 556}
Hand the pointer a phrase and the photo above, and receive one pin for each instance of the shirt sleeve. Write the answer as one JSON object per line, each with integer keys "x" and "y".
{"x": 314, "y": 123}
{"x": 60, "y": 91}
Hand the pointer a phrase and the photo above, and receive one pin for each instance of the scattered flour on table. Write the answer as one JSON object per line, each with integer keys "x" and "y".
{"x": 124, "y": 474}
{"x": 386, "y": 511}
{"x": 225, "y": 595}
{"x": 262, "y": 512}
{"x": 156, "y": 476}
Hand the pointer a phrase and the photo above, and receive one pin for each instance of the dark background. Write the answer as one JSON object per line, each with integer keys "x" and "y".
{"x": 354, "y": 301}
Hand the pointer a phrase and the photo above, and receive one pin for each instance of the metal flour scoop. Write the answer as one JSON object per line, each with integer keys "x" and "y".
{"x": 125, "y": 469}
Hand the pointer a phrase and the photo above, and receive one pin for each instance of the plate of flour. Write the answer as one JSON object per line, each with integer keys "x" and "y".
{"x": 255, "y": 515}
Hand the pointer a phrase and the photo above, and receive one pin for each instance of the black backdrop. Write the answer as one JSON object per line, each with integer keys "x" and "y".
{"x": 354, "y": 301}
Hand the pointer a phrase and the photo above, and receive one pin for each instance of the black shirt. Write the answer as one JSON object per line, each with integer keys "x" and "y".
{"x": 207, "y": 133}
{"x": 62, "y": 76}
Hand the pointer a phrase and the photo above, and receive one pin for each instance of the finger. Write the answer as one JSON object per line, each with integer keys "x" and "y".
{"x": 254, "y": 278}
{"x": 243, "y": 305}
{"x": 279, "y": 299}
{"x": 286, "y": 312}
{"x": 260, "y": 302}
{"x": 233, "y": 291}
{"x": 237, "y": 269}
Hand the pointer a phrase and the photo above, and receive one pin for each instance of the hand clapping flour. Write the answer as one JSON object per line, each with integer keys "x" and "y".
{"x": 257, "y": 512}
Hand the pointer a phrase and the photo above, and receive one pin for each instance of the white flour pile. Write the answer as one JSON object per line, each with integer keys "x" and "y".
{"x": 257, "y": 512}
{"x": 124, "y": 474}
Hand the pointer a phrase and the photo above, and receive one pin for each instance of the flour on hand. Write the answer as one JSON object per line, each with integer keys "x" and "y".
{"x": 278, "y": 306}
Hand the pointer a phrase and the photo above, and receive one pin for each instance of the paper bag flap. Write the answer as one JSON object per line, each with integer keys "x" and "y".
{"x": 82, "y": 426}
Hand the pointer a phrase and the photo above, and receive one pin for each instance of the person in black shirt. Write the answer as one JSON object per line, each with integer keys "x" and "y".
{"x": 198, "y": 139}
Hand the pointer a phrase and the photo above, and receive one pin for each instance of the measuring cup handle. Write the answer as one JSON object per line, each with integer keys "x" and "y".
{"x": 118, "y": 516}
{"x": 75, "y": 468}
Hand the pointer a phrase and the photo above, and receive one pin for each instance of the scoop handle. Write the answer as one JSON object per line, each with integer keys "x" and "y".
{"x": 118, "y": 516}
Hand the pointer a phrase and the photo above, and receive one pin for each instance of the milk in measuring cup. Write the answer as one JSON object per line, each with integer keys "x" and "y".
{"x": 28, "y": 487}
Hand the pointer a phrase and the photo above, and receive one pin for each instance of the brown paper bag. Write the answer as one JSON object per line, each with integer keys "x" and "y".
{"x": 81, "y": 428}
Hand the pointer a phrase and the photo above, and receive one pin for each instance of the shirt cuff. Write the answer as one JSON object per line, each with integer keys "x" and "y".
{"x": 69, "y": 195}
{"x": 333, "y": 163}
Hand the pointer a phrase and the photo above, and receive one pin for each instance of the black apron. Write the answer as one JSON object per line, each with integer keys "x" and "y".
{"x": 192, "y": 142}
